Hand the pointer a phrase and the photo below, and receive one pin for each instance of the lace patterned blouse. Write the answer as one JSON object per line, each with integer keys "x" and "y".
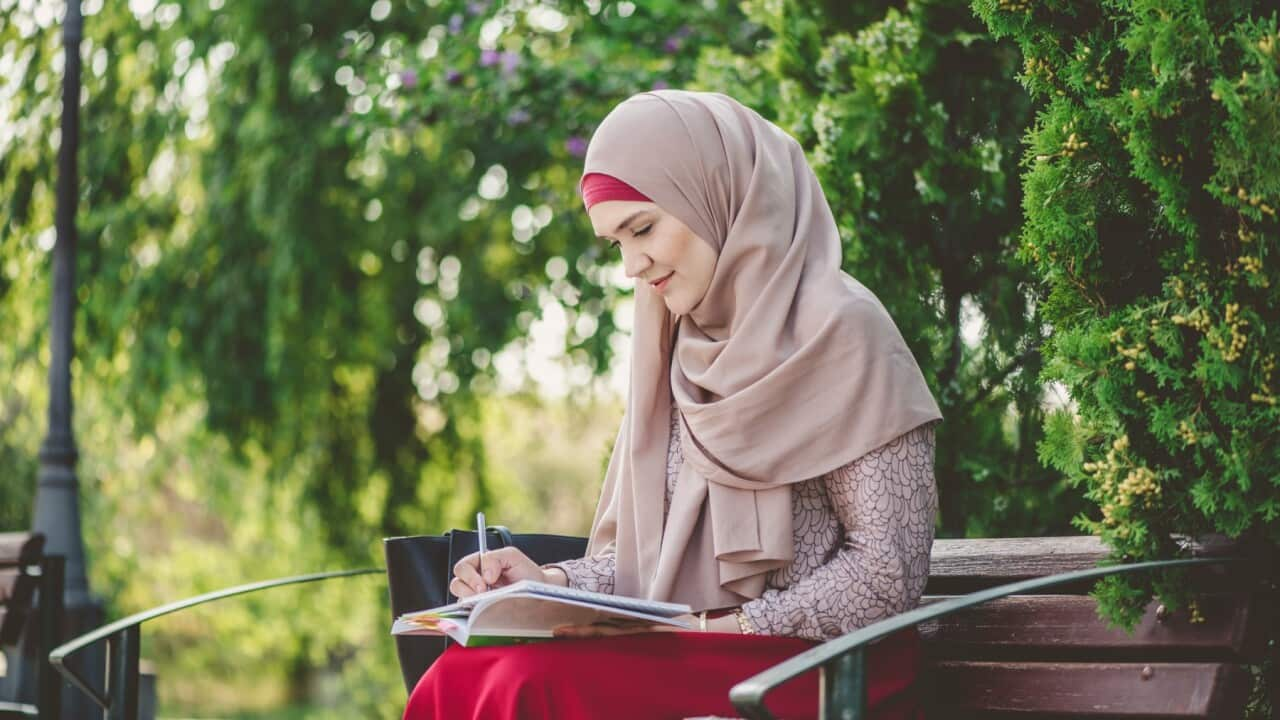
{"x": 862, "y": 536}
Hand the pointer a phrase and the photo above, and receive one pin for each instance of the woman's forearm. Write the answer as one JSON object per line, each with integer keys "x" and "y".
{"x": 724, "y": 624}
{"x": 593, "y": 573}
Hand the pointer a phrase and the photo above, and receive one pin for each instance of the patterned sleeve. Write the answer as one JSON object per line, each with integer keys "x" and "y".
{"x": 589, "y": 573}
{"x": 886, "y": 502}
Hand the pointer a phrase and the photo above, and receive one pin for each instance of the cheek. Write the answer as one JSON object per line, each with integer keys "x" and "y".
{"x": 702, "y": 263}
{"x": 693, "y": 258}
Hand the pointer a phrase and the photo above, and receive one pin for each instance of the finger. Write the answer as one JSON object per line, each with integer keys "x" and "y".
{"x": 460, "y": 589}
{"x": 491, "y": 568}
{"x": 498, "y": 562}
{"x": 466, "y": 572}
{"x": 465, "y": 562}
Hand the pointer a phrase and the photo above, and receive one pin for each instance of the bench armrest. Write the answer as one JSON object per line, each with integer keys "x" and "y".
{"x": 842, "y": 660}
{"x": 124, "y": 638}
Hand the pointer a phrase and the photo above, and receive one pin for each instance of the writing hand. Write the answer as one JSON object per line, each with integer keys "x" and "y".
{"x": 501, "y": 567}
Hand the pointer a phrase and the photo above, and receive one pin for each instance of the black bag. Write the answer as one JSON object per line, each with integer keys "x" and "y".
{"x": 420, "y": 567}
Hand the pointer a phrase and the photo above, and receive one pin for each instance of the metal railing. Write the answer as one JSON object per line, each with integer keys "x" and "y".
{"x": 843, "y": 660}
{"x": 120, "y": 697}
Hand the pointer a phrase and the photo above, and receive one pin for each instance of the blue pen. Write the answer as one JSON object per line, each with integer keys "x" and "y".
{"x": 480, "y": 533}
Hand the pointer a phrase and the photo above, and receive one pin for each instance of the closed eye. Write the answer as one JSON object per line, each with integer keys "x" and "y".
{"x": 642, "y": 231}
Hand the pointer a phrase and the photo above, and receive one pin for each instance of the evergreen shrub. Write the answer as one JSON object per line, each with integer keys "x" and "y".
{"x": 1151, "y": 185}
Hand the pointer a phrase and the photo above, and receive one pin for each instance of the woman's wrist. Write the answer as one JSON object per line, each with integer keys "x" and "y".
{"x": 723, "y": 624}
{"x": 555, "y": 576}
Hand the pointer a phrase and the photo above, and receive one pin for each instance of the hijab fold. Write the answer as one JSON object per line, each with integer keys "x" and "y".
{"x": 786, "y": 369}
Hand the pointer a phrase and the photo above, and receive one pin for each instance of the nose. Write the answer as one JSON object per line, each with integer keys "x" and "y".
{"x": 634, "y": 263}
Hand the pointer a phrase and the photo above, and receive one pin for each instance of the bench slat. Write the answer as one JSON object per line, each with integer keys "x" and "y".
{"x": 17, "y": 590}
{"x": 8, "y": 577}
{"x": 1017, "y": 556}
{"x": 1095, "y": 690}
{"x": 20, "y": 547}
{"x": 958, "y": 567}
{"x": 1067, "y": 627}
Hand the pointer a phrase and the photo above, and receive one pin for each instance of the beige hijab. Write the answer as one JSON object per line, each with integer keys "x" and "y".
{"x": 787, "y": 369}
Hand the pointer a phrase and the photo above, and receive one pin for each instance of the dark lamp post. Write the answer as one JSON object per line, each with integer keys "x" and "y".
{"x": 57, "y": 510}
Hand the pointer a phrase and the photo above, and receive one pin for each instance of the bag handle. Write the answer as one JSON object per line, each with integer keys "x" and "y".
{"x": 505, "y": 534}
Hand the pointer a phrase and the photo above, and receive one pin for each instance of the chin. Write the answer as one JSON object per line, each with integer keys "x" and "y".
{"x": 676, "y": 307}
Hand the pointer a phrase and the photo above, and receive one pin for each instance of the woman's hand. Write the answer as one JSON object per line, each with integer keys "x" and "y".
{"x": 501, "y": 567}
{"x": 622, "y": 628}
{"x": 723, "y": 624}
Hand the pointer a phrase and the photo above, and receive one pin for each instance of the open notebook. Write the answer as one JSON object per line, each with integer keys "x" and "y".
{"x": 529, "y": 610}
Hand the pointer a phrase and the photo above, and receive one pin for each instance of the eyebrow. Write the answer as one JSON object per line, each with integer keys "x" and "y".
{"x": 627, "y": 222}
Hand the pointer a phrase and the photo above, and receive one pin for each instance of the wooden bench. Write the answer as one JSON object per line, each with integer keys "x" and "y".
{"x": 1009, "y": 632}
{"x": 30, "y": 613}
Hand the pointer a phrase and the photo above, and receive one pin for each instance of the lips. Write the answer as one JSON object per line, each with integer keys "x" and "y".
{"x": 662, "y": 283}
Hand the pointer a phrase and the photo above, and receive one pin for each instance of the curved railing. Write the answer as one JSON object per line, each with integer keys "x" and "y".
{"x": 120, "y": 697}
{"x": 843, "y": 660}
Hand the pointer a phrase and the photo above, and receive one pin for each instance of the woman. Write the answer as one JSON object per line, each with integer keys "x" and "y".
{"x": 779, "y": 403}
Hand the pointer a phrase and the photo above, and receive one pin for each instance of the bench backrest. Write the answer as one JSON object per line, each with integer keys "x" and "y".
{"x": 20, "y": 553}
{"x": 30, "y": 614}
{"x": 1050, "y": 655}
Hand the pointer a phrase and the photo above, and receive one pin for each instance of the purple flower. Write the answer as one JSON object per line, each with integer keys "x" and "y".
{"x": 672, "y": 44}
{"x": 409, "y": 79}
{"x": 659, "y": 85}
{"x": 510, "y": 61}
{"x": 455, "y": 24}
{"x": 452, "y": 77}
{"x": 519, "y": 116}
{"x": 475, "y": 8}
{"x": 576, "y": 146}
{"x": 488, "y": 58}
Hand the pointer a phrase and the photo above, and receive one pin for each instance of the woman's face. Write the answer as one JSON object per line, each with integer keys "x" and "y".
{"x": 658, "y": 249}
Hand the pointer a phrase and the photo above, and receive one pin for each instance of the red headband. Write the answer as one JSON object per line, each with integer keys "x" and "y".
{"x": 598, "y": 187}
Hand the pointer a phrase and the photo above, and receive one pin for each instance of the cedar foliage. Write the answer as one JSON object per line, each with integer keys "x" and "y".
{"x": 1152, "y": 181}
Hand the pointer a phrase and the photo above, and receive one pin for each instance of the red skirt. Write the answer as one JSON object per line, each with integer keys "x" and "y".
{"x": 648, "y": 676}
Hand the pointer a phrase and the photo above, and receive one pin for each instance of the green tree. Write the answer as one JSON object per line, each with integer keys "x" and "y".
{"x": 911, "y": 115}
{"x": 320, "y": 219}
{"x": 1152, "y": 180}
{"x": 304, "y": 244}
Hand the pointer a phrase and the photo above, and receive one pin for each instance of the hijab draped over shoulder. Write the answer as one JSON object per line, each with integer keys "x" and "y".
{"x": 786, "y": 370}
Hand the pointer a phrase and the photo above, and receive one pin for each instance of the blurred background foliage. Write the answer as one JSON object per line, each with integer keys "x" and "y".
{"x": 336, "y": 283}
